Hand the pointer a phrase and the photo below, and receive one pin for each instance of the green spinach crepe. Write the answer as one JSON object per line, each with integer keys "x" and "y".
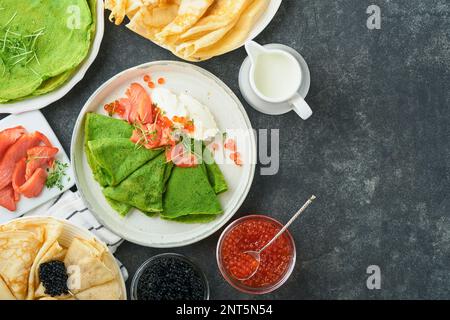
{"x": 135, "y": 177}
{"x": 118, "y": 158}
{"x": 144, "y": 188}
{"x": 102, "y": 127}
{"x": 189, "y": 193}
{"x": 42, "y": 42}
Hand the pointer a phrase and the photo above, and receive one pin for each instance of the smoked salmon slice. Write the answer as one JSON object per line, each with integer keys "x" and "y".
{"x": 140, "y": 103}
{"x": 15, "y": 153}
{"x": 18, "y": 178}
{"x": 8, "y": 137}
{"x": 34, "y": 186}
{"x": 7, "y": 198}
{"x": 43, "y": 138}
{"x": 39, "y": 157}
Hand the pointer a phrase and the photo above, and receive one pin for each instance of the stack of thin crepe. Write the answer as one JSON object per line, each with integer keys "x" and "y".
{"x": 135, "y": 177}
{"x": 26, "y": 244}
{"x": 193, "y": 30}
{"x": 67, "y": 29}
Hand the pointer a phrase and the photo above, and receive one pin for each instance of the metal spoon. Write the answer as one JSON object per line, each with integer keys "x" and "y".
{"x": 256, "y": 255}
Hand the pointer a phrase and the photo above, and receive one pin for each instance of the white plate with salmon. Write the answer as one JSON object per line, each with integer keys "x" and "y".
{"x": 33, "y": 165}
{"x": 164, "y": 154}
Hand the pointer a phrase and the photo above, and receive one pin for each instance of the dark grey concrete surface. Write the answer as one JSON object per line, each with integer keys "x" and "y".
{"x": 376, "y": 152}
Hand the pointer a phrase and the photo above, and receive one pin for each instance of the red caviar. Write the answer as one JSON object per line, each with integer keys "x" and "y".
{"x": 236, "y": 157}
{"x": 161, "y": 81}
{"x": 251, "y": 235}
{"x": 188, "y": 125}
{"x": 230, "y": 144}
{"x": 151, "y": 85}
{"x": 115, "y": 108}
{"x": 147, "y": 78}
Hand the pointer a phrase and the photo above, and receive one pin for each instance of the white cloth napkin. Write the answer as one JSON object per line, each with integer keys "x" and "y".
{"x": 70, "y": 206}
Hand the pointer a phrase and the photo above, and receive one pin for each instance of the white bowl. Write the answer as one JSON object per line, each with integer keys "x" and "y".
{"x": 72, "y": 231}
{"x": 39, "y": 102}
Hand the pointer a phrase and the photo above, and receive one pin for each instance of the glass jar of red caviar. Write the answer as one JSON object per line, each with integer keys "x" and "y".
{"x": 251, "y": 233}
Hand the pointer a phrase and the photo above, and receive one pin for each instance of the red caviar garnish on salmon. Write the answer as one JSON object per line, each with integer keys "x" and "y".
{"x": 187, "y": 124}
{"x": 151, "y": 85}
{"x": 154, "y": 135}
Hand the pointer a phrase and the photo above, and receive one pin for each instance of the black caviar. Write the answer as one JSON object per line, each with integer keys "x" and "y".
{"x": 53, "y": 276}
{"x": 170, "y": 278}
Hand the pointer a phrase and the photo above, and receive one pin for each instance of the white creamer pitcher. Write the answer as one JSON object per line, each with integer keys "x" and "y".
{"x": 275, "y": 77}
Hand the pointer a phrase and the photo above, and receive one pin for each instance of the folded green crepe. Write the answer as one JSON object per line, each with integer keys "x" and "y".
{"x": 119, "y": 157}
{"x": 65, "y": 29}
{"x": 190, "y": 193}
{"x": 119, "y": 207}
{"x": 144, "y": 188}
{"x": 215, "y": 175}
{"x": 102, "y": 127}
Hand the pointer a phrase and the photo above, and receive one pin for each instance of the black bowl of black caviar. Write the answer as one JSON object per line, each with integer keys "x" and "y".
{"x": 170, "y": 277}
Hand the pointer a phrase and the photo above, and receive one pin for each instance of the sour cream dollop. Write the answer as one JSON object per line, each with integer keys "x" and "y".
{"x": 184, "y": 105}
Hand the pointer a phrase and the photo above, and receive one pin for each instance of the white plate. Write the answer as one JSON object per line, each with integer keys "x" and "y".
{"x": 42, "y": 101}
{"x": 229, "y": 114}
{"x": 72, "y": 231}
{"x": 35, "y": 121}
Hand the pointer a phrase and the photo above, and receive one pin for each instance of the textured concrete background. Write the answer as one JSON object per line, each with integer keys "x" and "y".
{"x": 376, "y": 152}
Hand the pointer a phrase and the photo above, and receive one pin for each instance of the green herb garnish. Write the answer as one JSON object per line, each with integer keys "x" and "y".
{"x": 56, "y": 175}
{"x": 17, "y": 48}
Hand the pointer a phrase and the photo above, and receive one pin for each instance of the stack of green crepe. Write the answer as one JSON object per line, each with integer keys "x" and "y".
{"x": 42, "y": 42}
{"x": 134, "y": 177}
